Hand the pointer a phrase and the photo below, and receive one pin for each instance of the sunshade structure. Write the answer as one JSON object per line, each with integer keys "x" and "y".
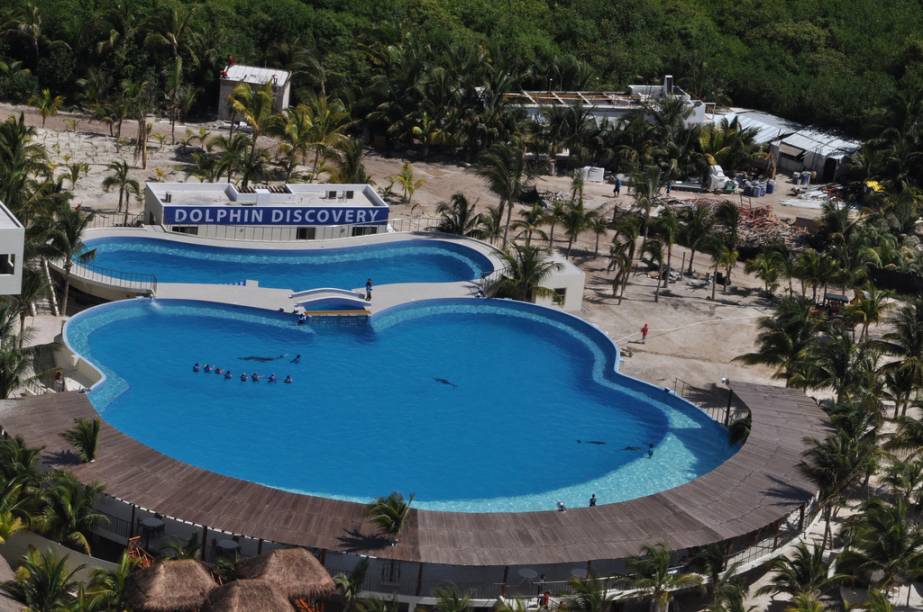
{"x": 170, "y": 585}
{"x": 247, "y": 596}
{"x": 294, "y": 572}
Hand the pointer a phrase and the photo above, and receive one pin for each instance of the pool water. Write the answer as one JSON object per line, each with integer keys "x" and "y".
{"x": 473, "y": 405}
{"x": 404, "y": 261}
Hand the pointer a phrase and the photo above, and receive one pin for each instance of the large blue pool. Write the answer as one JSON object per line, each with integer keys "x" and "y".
{"x": 404, "y": 261}
{"x": 474, "y": 405}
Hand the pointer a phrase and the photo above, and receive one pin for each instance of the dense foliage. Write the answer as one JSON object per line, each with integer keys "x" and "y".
{"x": 827, "y": 61}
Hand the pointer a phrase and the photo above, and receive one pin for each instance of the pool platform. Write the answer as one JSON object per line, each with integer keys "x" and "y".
{"x": 755, "y": 490}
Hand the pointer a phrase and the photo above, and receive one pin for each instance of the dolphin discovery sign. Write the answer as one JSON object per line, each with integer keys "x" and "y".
{"x": 274, "y": 215}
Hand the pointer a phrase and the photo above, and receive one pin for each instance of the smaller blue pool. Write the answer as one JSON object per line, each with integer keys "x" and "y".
{"x": 404, "y": 261}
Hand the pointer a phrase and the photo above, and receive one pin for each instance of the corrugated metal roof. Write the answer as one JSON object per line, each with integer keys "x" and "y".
{"x": 255, "y": 75}
{"x": 827, "y": 145}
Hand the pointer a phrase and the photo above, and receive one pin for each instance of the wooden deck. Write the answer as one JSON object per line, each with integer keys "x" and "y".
{"x": 757, "y": 486}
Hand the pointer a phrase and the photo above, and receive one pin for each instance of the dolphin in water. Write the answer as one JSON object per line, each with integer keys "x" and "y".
{"x": 597, "y": 442}
{"x": 260, "y": 359}
{"x": 443, "y": 381}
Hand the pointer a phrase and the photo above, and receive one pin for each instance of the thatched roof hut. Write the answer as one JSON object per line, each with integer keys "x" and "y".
{"x": 170, "y": 585}
{"x": 294, "y": 572}
{"x": 247, "y": 596}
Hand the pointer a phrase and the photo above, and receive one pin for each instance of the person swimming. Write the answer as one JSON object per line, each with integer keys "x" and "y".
{"x": 227, "y": 375}
{"x": 272, "y": 378}
{"x": 255, "y": 377}
{"x": 301, "y": 319}
{"x": 218, "y": 371}
{"x": 288, "y": 380}
{"x": 297, "y": 359}
{"x": 650, "y": 451}
{"x": 196, "y": 367}
{"x": 207, "y": 368}
{"x": 243, "y": 377}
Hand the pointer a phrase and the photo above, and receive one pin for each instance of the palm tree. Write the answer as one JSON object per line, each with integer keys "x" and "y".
{"x": 904, "y": 478}
{"x": 255, "y": 107}
{"x": 526, "y": 268}
{"x": 905, "y": 341}
{"x": 805, "y": 603}
{"x": 458, "y": 216}
{"x": 179, "y": 37}
{"x": 15, "y": 370}
{"x": 576, "y": 219}
{"x": 107, "y": 587}
{"x": 599, "y": 226}
{"x": 668, "y": 228}
{"x": 530, "y": 222}
{"x": 653, "y": 248}
{"x": 766, "y": 267}
{"x": 650, "y": 573}
{"x": 408, "y": 182}
{"x": 84, "y": 437}
{"x": 69, "y": 514}
{"x": 66, "y": 245}
{"x": 830, "y": 361}
{"x": 832, "y": 465}
{"x": 492, "y": 223}
{"x": 885, "y": 544}
{"x": 505, "y": 169}
{"x": 389, "y": 513}
{"x": 48, "y": 105}
{"x": 183, "y": 549}
{"x": 350, "y": 585}
{"x": 349, "y": 163}
{"x": 32, "y": 290}
{"x": 329, "y": 122}
{"x": 449, "y": 599}
{"x": 590, "y": 595}
{"x": 555, "y": 215}
{"x": 696, "y": 224}
{"x": 804, "y": 573}
{"x": 725, "y": 258}
{"x": 121, "y": 180}
{"x": 44, "y": 581}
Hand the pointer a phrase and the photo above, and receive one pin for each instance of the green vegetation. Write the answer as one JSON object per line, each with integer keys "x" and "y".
{"x": 830, "y": 62}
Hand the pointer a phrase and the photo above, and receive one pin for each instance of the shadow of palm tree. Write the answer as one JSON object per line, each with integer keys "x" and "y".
{"x": 355, "y": 541}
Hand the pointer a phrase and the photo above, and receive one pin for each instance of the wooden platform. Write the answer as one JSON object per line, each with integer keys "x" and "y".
{"x": 757, "y": 486}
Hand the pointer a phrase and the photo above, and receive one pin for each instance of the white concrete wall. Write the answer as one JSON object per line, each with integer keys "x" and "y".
{"x": 568, "y": 278}
{"x": 12, "y": 240}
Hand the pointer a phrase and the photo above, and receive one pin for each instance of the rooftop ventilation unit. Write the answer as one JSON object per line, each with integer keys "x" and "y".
{"x": 331, "y": 195}
{"x": 168, "y": 197}
{"x": 349, "y": 195}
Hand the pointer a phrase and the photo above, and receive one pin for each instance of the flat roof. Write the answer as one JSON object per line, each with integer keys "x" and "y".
{"x": 7, "y": 220}
{"x": 754, "y": 488}
{"x": 288, "y": 195}
{"x": 255, "y": 75}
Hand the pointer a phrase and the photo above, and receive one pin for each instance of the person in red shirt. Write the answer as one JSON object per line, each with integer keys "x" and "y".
{"x": 644, "y": 330}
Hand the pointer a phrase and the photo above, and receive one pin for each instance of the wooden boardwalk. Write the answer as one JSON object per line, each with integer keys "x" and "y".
{"x": 756, "y": 487}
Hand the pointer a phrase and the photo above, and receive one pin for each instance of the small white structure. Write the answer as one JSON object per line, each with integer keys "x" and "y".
{"x": 567, "y": 283}
{"x": 235, "y": 74}
{"x": 303, "y": 211}
{"x": 12, "y": 240}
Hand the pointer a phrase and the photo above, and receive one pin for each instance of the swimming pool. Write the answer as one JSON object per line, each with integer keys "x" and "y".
{"x": 473, "y": 405}
{"x": 401, "y": 261}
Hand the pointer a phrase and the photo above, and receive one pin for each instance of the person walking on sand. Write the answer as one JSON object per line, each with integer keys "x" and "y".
{"x": 618, "y": 186}
{"x": 368, "y": 290}
{"x": 644, "y": 330}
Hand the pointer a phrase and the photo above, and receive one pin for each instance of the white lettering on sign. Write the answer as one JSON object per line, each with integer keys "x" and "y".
{"x": 235, "y": 215}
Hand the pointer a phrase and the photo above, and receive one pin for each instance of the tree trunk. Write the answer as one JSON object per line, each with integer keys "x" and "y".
{"x": 666, "y": 278}
{"x": 67, "y": 288}
{"x": 714, "y": 282}
{"x": 596, "y": 250}
{"x": 121, "y": 193}
{"x": 657, "y": 289}
{"x": 691, "y": 257}
{"x": 22, "y": 328}
{"x": 506, "y": 228}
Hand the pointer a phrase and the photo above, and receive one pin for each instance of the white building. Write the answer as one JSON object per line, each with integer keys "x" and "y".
{"x": 235, "y": 74}
{"x": 12, "y": 240}
{"x": 566, "y": 282}
{"x": 304, "y": 211}
{"x": 608, "y": 105}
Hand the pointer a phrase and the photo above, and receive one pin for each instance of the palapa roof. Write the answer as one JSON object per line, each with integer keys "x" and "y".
{"x": 247, "y": 596}
{"x": 295, "y": 572}
{"x": 170, "y": 585}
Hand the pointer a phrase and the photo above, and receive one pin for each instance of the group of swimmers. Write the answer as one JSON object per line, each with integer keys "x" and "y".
{"x": 244, "y": 377}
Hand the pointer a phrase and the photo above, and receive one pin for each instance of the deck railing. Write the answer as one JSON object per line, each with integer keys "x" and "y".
{"x": 115, "y": 220}
{"x": 136, "y": 281}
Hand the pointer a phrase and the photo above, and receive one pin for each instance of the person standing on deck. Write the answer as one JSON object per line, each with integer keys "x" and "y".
{"x": 368, "y": 290}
